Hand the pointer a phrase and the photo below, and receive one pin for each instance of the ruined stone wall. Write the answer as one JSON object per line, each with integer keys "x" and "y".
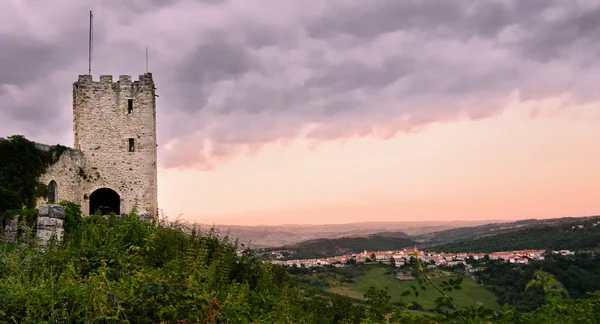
{"x": 49, "y": 223}
{"x": 102, "y": 127}
{"x": 66, "y": 174}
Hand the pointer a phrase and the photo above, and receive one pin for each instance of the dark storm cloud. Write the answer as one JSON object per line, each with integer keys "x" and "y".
{"x": 234, "y": 75}
{"x": 579, "y": 32}
{"x": 349, "y": 76}
{"x": 24, "y": 58}
{"x": 370, "y": 19}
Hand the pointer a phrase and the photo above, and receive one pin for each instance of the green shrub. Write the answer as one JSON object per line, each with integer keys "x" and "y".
{"x": 9, "y": 200}
{"x": 21, "y": 165}
{"x": 73, "y": 215}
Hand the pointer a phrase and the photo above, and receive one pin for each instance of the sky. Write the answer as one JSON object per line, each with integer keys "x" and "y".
{"x": 333, "y": 111}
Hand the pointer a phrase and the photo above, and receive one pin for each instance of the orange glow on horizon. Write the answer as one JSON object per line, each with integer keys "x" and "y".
{"x": 535, "y": 160}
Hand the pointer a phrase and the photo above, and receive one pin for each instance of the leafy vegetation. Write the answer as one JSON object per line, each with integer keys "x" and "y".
{"x": 508, "y": 282}
{"x": 73, "y": 216}
{"x": 21, "y": 164}
{"x": 578, "y": 275}
{"x": 128, "y": 269}
{"x": 355, "y": 282}
{"x": 133, "y": 271}
{"x": 444, "y": 297}
{"x": 380, "y": 278}
{"x": 330, "y": 247}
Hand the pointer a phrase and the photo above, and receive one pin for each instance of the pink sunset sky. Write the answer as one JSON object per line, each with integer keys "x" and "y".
{"x": 314, "y": 111}
{"x": 531, "y": 160}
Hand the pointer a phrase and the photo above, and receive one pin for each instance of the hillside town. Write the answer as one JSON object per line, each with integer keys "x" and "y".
{"x": 402, "y": 257}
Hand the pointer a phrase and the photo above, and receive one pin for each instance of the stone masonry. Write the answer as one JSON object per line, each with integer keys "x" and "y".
{"x": 49, "y": 222}
{"x": 9, "y": 233}
{"x": 114, "y": 127}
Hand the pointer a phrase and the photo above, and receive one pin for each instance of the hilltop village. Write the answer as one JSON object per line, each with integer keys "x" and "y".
{"x": 433, "y": 259}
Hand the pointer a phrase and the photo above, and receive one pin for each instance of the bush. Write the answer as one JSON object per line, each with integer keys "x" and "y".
{"x": 136, "y": 271}
{"x": 21, "y": 164}
{"x": 9, "y": 200}
{"x": 73, "y": 216}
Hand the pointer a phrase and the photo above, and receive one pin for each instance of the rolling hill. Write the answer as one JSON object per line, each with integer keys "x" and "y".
{"x": 264, "y": 236}
{"x": 320, "y": 248}
{"x": 557, "y": 233}
{"x": 466, "y": 233}
{"x": 583, "y": 234}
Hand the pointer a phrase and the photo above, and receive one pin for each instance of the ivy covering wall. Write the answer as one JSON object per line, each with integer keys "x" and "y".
{"x": 21, "y": 165}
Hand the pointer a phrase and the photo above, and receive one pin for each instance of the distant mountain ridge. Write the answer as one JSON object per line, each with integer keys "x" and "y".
{"x": 522, "y": 234}
{"x": 262, "y": 236}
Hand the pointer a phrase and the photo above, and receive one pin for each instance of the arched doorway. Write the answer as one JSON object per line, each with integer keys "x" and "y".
{"x": 52, "y": 192}
{"x": 106, "y": 201}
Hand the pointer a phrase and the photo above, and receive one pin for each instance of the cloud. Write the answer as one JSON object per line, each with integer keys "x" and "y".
{"x": 234, "y": 75}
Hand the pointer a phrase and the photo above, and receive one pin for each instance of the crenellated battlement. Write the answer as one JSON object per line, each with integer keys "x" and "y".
{"x": 112, "y": 165}
{"x": 86, "y": 79}
{"x": 114, "y": 128}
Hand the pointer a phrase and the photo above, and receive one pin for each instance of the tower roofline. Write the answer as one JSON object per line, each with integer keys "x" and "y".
{"x": 107, "y": 78}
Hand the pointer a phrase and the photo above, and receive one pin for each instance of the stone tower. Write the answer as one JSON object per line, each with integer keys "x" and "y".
{"x": 114, "y": 125}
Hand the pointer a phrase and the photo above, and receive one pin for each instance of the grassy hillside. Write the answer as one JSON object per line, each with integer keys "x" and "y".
{"x": 556, "y": 237}
{"x": 331, "y": 247}
{"x": 381, "y": 278}
{"x": 355, "y": 281}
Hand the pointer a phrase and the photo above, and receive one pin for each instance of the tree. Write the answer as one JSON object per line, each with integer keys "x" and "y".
{"x": 344, "y": 311}
{"x": 378, "y": 303}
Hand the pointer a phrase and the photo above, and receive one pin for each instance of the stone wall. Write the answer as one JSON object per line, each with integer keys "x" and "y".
{"x": 67, "y": 173}
{"x": 103, "y": 125}
{"x": 9, "y": 233}
{"x": 49, "y": 222}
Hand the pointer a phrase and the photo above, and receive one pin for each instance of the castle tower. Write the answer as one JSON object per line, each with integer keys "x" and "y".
{"x": 114, "y": 125}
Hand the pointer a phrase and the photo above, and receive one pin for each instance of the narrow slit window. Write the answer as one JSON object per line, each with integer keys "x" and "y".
{"x": 129, "y": 106}
{"x": 131, "y": 145}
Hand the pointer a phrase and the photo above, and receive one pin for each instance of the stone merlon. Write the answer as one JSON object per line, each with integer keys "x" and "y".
{"x": 85, "y": 79}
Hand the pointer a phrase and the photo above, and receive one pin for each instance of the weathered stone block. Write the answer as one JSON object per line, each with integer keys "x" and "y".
{"x": 43, "y": 210}
{"x": 106, "y": 79}
{"x": 46, "y": 227}
{"x": 52, "y": 211}
{"x": 9, "y": 234}
{"x": 49, "y": 222}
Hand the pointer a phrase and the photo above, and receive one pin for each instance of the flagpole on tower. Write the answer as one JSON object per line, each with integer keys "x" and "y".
{"x": 90, "y": 44}
{"x": 146, "y": 59}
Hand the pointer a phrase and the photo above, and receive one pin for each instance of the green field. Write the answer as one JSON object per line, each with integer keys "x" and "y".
{"x": 376, "y": 276}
